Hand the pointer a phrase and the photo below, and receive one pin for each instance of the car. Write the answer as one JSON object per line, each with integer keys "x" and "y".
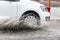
{"x": 33, "y": 13}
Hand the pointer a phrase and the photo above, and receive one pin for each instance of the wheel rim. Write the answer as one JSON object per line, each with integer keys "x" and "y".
{"x": 30, "y": 21}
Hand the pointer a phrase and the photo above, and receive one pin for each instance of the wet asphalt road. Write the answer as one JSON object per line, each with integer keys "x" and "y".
{"x": 48, "y": 32}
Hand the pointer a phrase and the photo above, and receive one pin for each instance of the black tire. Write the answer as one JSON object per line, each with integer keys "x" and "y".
{"x": 31, "y": 20}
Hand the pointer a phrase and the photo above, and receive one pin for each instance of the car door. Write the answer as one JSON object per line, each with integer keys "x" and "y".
{"x": 8, "y": 8}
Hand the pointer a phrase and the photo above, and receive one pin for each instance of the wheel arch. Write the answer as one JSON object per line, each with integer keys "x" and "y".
{"x": 30, "y": 12}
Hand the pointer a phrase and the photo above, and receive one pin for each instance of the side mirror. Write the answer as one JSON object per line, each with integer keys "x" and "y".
{"x": 13, "y": 0}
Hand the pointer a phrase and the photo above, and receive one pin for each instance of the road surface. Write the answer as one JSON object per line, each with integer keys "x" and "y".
{"x": 48, "y": 32}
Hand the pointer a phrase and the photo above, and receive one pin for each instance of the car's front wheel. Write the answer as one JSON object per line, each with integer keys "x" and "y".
{"x": 31, "y": 20}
